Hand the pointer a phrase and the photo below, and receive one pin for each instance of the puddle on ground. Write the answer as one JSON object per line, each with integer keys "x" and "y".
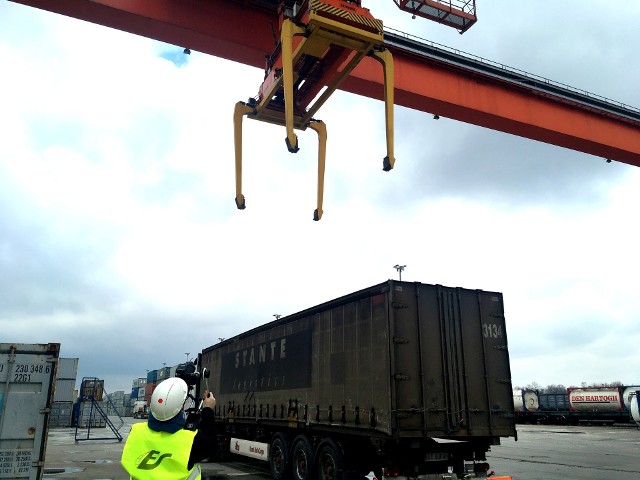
{"x": 60, "y": 471}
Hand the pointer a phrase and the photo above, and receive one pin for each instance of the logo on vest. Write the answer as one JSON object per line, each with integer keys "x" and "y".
{"x": 151, "y": 460}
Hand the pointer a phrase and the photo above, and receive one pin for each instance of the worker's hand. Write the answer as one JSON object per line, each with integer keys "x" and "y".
{"x": 209, "y": 400}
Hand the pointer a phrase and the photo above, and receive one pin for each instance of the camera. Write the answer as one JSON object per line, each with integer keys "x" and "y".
{"x": 190, "y": 374}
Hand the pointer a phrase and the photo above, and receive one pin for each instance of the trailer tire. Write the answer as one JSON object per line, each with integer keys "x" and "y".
{"x": 279, "y": 457}
{"x": 302, "y": 459}
{"x": 329, "y": 461}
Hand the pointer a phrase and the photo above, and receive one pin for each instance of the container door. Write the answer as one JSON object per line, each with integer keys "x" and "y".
{"x": 27, "y": 374}
{"x": 486, "y": 374}
{"x": 451, "y": 364}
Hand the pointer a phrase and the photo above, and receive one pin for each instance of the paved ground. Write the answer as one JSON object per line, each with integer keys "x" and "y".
{"x": 570, "y": 453}
{"x": 541, "y": 452}
{"x": 100, "y": 459}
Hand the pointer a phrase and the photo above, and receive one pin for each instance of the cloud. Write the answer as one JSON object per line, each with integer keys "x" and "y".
{"x": 119, "y": 236}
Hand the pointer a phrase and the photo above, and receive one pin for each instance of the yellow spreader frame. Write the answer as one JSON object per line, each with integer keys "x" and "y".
{"x": 317, "y": 34}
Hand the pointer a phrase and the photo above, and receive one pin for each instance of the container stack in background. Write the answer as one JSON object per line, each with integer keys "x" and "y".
{"x": 69, "y": 402}
{"x": 155, "y": 377}
{"x": 138, "y": 390}
{"x": 137, "y": 405}
{"x": 116, "y": 405}
{"x": 152, "y": 379}
{"x": 65, "y": 393}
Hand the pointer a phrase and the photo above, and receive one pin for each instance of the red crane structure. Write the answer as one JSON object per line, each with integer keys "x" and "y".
{"x": 426, "y": 77}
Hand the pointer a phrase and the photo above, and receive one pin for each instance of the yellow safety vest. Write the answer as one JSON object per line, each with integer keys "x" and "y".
{"x": 151, "y": 455}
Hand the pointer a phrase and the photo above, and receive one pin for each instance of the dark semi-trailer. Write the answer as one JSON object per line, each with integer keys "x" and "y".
{"x": 401, "y": 379}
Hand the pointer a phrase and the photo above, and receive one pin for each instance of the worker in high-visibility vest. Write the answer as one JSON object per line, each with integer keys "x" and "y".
{"x": 161, "y": 449}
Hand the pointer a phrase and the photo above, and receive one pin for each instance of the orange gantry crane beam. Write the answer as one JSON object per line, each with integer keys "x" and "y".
{"x": 240, "y": 30}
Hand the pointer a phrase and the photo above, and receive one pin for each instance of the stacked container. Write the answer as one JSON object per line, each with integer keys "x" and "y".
{"x": 152, "y": 376}
{"x": 92, "y": 389}
{"x": 116, "y": 407}
{"x": 64, "y": 393}
{"x": 137, "y": 391}
{"x": 60, "y": 414}
{"x": 149, "y": 388}
{"x": 88, "y": 415}
{"x": 66, "y": 376}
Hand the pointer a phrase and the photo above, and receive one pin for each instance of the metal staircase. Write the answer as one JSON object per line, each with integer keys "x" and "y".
{"x": 88, "y": 412}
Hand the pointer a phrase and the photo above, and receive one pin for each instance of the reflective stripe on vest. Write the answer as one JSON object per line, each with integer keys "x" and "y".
{"x": 151, "y": 455}
{"x": 195, "y": 472}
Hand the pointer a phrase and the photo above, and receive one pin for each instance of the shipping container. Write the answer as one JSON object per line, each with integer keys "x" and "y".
{"x": 149, "y": 388}
{"x": 372, "y": 378}
{"x": 92, "y": 389}
{"x": 152, "y": 376}
{"x": 554, "y": 402}
{"x": 525, "y": 401}
{"x": 64, "y": 390}
{"x": 163, "y": 374}
{"x": 596, "y": 399}
{"x": 578, "y": 405}
{"x": 61, "y": 414}
{"x": 67, "y": 369}
{"x": 88, "y": 415}
{"x": 134, "y": 392}
{"x": 139, "y": 383}
{"x": 117, "y": 396}
{"x": 27, "y": 379}
{"x": 634, "y": 407}
{"x": 627, "y": 392}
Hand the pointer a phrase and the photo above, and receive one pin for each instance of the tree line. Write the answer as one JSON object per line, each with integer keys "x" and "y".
{"x": 562, "y": 389}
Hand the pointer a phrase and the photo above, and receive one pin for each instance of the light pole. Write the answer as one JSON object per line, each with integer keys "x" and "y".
{"x": 399, "y": 268}
{"x": 187, "y": 356}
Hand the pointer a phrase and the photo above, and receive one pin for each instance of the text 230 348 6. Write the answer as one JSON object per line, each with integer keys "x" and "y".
{"x": 25, "y": 372}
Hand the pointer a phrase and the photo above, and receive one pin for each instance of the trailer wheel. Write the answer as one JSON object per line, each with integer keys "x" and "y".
{"x": 302, "y": 461}
{"x": 279, "y": 457}
{"x": 330, "y": 465}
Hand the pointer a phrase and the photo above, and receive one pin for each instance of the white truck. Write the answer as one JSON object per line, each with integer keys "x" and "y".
{"x": 140, "y": 409}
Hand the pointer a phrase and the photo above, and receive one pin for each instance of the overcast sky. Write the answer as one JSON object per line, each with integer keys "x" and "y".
{"x": 120, "y": 239}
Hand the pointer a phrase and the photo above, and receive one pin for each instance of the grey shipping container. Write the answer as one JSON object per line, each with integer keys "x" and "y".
{"x": 553, "y": 401}
{"x": 139, "y": 382}
{"x": 382, "y": 372}
{"x": 67, "y": 369}
{"x": 27, "y": 376}
{"x": 64, "y": 390}
{"x": 61, "y": 413}
{"x": 89, "y": 415}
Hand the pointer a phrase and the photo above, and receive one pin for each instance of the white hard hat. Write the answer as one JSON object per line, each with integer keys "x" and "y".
{"x": 168, "y": 398}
